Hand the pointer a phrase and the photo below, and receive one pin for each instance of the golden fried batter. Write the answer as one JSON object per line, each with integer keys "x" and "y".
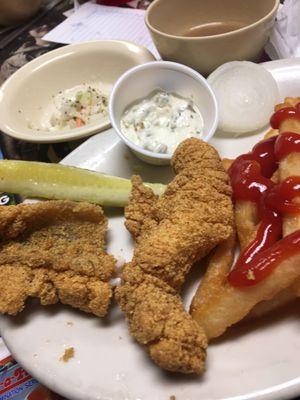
{"x": 54, "y": 250}
{"x": 190, "y": 219}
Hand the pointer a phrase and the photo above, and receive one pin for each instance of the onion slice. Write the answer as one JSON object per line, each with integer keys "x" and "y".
{"x": 246, "y": 94}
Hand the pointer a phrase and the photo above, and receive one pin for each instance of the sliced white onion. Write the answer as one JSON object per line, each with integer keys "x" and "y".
{"x": 246, "y": 93}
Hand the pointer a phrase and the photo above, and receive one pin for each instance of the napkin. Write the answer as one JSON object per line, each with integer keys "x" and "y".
{"x": 285, "y": 38}
{"x": 96, "y": 22}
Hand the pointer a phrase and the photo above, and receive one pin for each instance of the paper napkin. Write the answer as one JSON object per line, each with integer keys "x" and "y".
{"x": 285, "y": 38}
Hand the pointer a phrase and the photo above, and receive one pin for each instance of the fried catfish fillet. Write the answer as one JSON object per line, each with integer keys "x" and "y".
{"x": 54, "y": 250}
{"x": 171, "y": 233}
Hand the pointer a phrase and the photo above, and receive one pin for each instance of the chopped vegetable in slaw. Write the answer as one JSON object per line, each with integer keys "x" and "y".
{"x": 76, "y": 107}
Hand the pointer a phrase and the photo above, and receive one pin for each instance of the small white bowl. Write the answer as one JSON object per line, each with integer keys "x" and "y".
{"x": 138, "y": 82}
{"x": 26, "y": 95}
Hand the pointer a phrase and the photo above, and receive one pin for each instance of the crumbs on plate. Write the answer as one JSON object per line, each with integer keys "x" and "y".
{"x": 69, "y": 353}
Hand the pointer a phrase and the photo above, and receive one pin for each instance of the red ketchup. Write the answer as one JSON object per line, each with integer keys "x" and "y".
{"x": 250, "y": 178}
{"x": 287, "y": 143}
{"x": 284, "y": 113}
{"x": 280, "y": 197}
{"x": 266, "y": 261}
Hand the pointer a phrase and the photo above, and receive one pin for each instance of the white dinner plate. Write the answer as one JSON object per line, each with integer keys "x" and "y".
{"x": 255, "y": 361}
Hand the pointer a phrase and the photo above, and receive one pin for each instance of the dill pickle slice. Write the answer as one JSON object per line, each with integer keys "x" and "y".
{"x": 61, "y": 182}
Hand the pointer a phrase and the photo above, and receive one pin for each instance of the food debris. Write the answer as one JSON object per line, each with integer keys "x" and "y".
{"x": 70, "y": 323}
{"x": 69, "y": 353}
{"x": 250, "y": 275}
{"x": 173, "y": 397}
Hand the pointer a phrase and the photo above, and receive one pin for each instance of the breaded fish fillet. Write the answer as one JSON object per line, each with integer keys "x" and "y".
{"x": 54, "y": 250}
{"x": 171, "y": 233}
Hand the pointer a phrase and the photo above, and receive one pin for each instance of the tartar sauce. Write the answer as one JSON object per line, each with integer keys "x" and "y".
{"x": 161, "y": 121}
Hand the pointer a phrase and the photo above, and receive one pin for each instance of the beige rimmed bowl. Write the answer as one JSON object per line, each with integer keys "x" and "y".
{"x": 169, "y": 20}
{"x": 26, "y": 95}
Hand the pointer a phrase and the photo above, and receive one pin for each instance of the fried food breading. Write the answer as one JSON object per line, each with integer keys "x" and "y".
{"x": 171, "y": 233}
{"x": 54, "y": 250}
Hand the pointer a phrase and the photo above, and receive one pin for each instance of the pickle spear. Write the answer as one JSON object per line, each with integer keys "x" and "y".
{"x": 61, "y": 182}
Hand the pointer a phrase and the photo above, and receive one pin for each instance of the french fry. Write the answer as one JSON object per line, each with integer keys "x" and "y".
{"x": 288, "y": 102}
{"x": 290, "y": 166}
{"x": 270, "y": 133}
{"x": 246, "y": 218}
{"x": 247, "y": 222}
{"x": 227, "y": 305}
{"x": 230, "y": 305}
{"x": 218, "y": 267}
{"x": 283, "y": 298}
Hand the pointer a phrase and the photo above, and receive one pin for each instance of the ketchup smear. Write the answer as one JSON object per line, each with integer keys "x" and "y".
{"x": 250, "y": 178}
{"x": 284, "y": 113}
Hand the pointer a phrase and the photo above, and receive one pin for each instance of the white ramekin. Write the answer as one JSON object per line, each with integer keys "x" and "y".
{"x": 138, "y": 82}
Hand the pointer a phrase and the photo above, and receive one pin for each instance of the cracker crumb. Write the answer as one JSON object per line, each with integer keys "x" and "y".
{"x": 250, "y": 275}
{"x": 70, "y": 323}
{"x": 69, "y": 353}
{"x": 172, "y": 397}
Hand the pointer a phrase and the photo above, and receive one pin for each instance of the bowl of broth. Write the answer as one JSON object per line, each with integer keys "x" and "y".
{"x": 205, "y": 34}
